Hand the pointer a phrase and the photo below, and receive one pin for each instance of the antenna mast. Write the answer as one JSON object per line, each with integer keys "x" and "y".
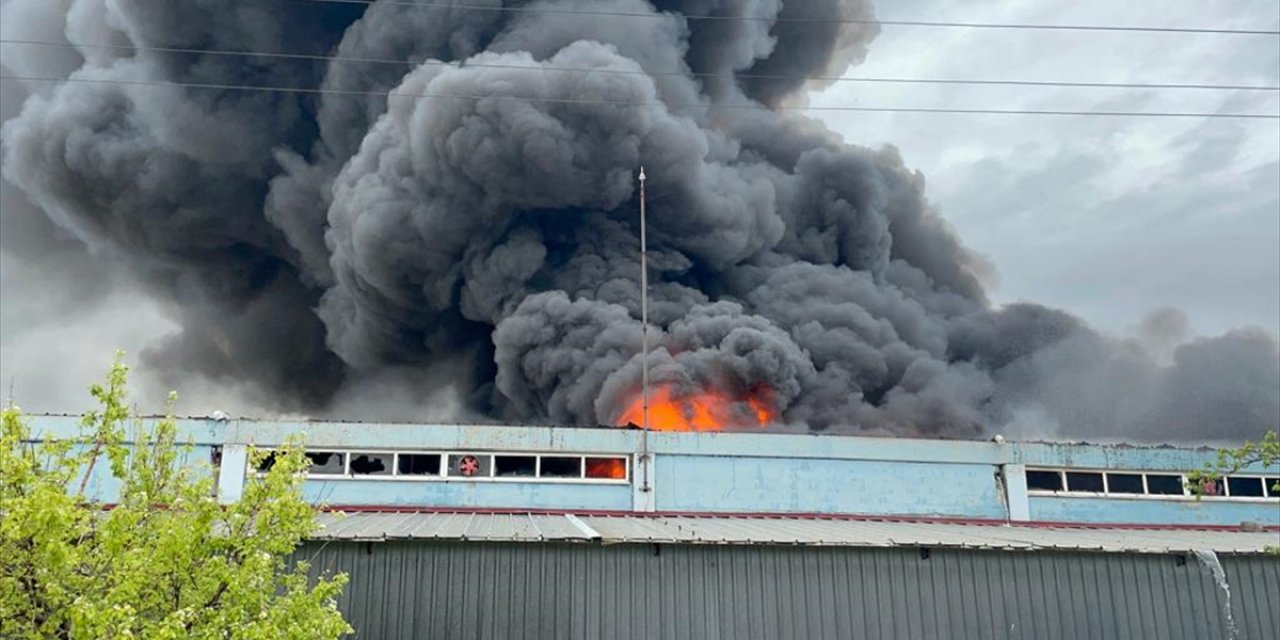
{"x": 644, "y": 340}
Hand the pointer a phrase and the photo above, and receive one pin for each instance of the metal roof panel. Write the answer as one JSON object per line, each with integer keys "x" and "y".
{"x": 738, "y": 530}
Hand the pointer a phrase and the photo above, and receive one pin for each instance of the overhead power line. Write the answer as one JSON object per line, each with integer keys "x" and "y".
{"x": 640, "y": 103}
{"x": 784, "y": 20}
{"x": 591, "y": 70}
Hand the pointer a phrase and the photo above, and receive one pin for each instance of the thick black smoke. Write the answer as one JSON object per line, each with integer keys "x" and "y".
{"x": 456, "y": 204}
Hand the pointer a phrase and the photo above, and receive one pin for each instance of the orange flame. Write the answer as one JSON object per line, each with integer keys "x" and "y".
{"x": 697, "y": 412}
{"x": 612, "y": 468}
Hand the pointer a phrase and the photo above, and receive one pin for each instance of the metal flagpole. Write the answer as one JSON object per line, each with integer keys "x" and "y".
{"x": 644, "y": 340}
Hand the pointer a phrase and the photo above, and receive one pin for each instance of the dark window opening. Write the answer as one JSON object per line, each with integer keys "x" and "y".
{"x": 1159, "y": 485}
{"x": 418, "y": 464}
{"x": 267, "y": 462}
{"x": 607, "y": 468}
{"x": 371, "y": 464}
{"x": 1044, "y": 480}
{"x": 557, "y": 467}
{"x": 467, "y": 465}
{"x": 326, "y": 462}
{"x": 1079, "y": 481}
{"x": 1244, "y": 487}
{"x": 1273, "y": 487}
{"x": 1124, "y": 483}
{"x": 515, "y": 466}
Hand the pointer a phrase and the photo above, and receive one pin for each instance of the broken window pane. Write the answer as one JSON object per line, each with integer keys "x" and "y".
{"x": 607, "y": 468}
{"x": 561, "y": 467}
{"x": 267, "y": 461}
{"x": 1083, "y": 481}
{"x": 468, "y": 465}
{"x": 1213, "y": 487}
{"x": 330, "y": 462}
{"x": 1162, "y": 485}
{"x": 1124, "y": 483}
{"x": 371, "y": 464}
{"x": 515, "y": 466}
{"x": 1244, "y": 487}
{"x": 1044, "y": 480}
{"x": 418, "y": 464}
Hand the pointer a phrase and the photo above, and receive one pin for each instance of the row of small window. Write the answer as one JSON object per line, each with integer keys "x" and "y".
{"x": 1150, "y": 484}
{"x": 464, "y": 466}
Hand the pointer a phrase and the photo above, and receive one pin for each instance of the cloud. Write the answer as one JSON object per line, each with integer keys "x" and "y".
{"x": 1107, "y": 217}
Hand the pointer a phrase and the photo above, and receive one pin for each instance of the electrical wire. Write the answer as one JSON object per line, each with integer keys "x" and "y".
{"x": 641, "y": 103}
{"x": 753, "y": 76}
{"x": 786, "y": 20}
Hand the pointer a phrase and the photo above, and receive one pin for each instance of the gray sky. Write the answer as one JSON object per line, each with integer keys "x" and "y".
{"x": 1109, "y": 219}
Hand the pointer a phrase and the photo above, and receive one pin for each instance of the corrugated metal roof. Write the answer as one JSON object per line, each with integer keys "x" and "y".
{"x": 844, "y": 532}
{"x": 448, "y": 526}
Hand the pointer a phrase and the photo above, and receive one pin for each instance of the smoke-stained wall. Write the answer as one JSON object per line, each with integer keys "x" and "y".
{"x": 454, "y": 203}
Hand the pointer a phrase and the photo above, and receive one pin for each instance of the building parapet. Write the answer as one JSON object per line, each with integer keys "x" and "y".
{"x": 533, "y": 467}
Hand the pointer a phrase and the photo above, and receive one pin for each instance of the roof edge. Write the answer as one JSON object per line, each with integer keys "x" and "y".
{"x": 852, "y": 517}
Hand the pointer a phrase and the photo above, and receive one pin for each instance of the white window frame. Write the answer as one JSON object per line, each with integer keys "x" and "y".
{"x": 346, "y": 464}
{"x": 1268, "y": 496}
{"x": 1066, "y": 483}
{"x": 1146, "y": 486}
{"x": 1226, "y": 486}
{"x": 1106, "y": 482}
{"x": 439, "y": 475}
{"x": 352, "y": 453}
{"x": 444, "y": 476}
{"x": 1062, "y": 481}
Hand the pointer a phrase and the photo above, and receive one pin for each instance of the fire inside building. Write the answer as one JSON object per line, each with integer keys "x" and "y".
{"x": 452, "y": 531}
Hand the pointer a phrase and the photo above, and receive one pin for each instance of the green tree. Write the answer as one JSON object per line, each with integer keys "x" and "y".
{"x": 166, "y": 561}
{"x": 1207, "y": 480}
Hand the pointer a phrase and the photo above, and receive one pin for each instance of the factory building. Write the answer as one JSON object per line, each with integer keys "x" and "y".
{"x": 452, "y": 531}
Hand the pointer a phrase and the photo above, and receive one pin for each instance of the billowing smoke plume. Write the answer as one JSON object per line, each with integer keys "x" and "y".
{"x": 454, "y": 203}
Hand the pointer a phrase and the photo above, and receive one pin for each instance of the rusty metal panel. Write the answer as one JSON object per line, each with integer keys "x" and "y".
{"x": 432, "y": 589}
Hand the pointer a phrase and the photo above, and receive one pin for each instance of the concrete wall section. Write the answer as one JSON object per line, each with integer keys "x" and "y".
{"x": 498, "y": 495}
{"x": 101, "y": 486}
{"x": 747, "y": 444}
{"x": 188, "y": 430}
{"x": 1154, "y": 511}
{"x": 791, "y": 485}
{"x": 436, "y": 436}
{"x": 1015, "y": 488}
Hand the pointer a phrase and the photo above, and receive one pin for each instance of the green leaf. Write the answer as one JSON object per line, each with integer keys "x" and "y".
{"x": 168, "y": 561}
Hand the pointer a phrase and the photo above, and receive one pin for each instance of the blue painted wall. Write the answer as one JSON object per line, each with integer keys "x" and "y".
{"x": 101, "y": 486}
{"x": 775, "y": 484}
{"x": 498, "y": 495}
{"x": 728, "y": 472}
{"x": 1153, "y": 511}
{"x": 1121, "y": 456}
